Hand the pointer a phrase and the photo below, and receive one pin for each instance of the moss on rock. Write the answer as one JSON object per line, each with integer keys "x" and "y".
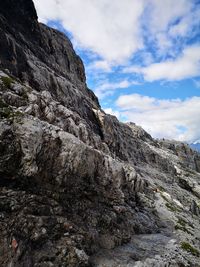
{"x": 189, "y": 248}
{"x": 7, "y": 81}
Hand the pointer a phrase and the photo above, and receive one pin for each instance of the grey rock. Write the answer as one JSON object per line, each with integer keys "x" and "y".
{"x": 78, "y": 187}
{"x": 194, "y": 208}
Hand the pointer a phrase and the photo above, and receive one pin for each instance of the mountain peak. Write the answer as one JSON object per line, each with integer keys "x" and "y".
{"x": 22, "y": 11}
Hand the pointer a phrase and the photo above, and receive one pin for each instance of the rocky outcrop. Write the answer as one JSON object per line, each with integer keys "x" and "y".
{"x": 191, "y": 158}
{"x": 78, "y": 187}
{"x": 43, "y": 58}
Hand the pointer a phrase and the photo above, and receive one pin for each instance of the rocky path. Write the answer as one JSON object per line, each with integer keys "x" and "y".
{"x": 143, "y": 251}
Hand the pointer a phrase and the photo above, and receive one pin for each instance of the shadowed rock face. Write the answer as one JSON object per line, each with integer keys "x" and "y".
{"x": 43, "y": 58}
{"x": 22, "y": 12}
{"x": 78, "y": 187}
{"x": 29, "y": 40}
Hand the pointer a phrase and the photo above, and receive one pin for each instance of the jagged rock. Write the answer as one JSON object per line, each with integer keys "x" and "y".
{"x": 190, "y": 157}
{"x": 78, "y": 187}
{"x": 194, "y": 208}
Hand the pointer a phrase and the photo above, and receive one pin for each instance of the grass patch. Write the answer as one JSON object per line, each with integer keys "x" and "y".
{"x": 186, "y": 246}
{"x": 164, "y": 197}
{"x": 171, "y": 207}
{"x": 182, "y": 222}
{"x": 24, "y": 95}
{"x": 161, "y": 188}
{"x": 6, "y": 112}
{"x": 3, "y": 104}
{"x": 7, "y": 81}
{"x": 182, "y": 228}
{"x": 169, "y": 204}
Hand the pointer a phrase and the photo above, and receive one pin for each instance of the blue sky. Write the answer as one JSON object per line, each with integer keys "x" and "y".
{"x": 142, "y": 58}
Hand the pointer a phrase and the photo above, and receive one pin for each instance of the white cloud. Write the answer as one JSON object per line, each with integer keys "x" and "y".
{"x": 173, "y": 119}
{"x": 107, "y": 88}
{"x": 109, "y": 28}
{"x": 115, "y": 30}
{"x": 112, "y": 112}
{"x": 100, "y": 65}
{"x": 146, "y": 58}
{"x": 47, "y": 10}
{"x": 180, "y": 29}
{"x": 159, "y": 19}
{"x": 185, "y": 66}
{"x": 162, "y": 13}
{"x": 163, "y": 42}
{"x": 185, "y": 25}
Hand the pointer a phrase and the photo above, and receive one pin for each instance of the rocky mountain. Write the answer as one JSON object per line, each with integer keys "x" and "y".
{"x": 78, "y": 187}
{"x": 195, "y": 146}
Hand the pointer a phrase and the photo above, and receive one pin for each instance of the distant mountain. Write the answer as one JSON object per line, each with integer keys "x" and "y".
{"x": 195, "y": 146}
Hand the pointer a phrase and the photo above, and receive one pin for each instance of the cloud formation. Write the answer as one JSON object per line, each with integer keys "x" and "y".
{"x": 115, "y": 30}
{"x": 162, "y": 13}
{"x": 112, "y": 112}
{"x": 109, "y": 28}
{"x": 150, "y": 41}
{"x": 187, "y": 65}
{"x": 173, "y": 119}
{"x": 107, "y": 88}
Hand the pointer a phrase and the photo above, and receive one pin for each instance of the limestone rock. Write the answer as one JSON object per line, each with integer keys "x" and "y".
{"x": 78, "y": 187}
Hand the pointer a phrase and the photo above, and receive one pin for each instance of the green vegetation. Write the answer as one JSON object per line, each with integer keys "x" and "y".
{"x": 161, "y": 188}
{"x": 182, "y": 222}
{"x": 182, "y": 225}
{"x": 7, "y": 81}
{"x": 164, "y": 197}
{"x": 6, "y": 112}
{"x": 24, "y": 95}
{"x": 3, "y": 104}
{"x": 186, "y": 246}
{"x": 182, "y": 228}
{"x": 171, "y": 207}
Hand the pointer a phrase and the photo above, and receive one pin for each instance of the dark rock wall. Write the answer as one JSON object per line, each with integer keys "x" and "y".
{"x": 74, "y": 180}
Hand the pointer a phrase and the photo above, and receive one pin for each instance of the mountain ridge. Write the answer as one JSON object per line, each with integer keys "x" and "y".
{"x": 195, "y": 146}
{"x": 78, "y": 187}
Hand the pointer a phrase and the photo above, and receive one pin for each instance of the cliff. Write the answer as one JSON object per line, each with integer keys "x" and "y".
{"x": 78, "y": 187}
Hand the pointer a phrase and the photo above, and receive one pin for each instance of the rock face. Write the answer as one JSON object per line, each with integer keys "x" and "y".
{"x": 78, "y": 187}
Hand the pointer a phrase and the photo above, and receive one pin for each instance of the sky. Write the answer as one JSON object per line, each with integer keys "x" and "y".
{"x": 142, "y": 58}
